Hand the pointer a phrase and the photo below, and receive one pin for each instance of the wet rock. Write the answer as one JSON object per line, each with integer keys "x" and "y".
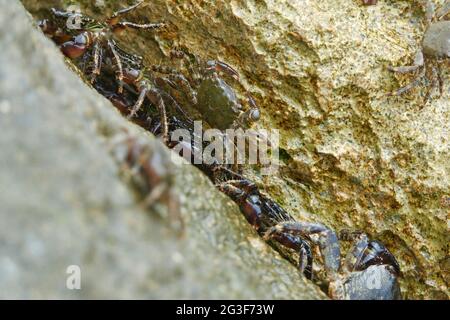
{"x": 65, "y": 202}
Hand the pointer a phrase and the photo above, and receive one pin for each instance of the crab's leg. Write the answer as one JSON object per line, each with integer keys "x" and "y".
{"x": 111, "y": 45}
{"x": 418, "y": 62}
{"x": 414, "y": 83}
{"x": 434, "y": 83}
{"x": 98, "y": 57}
{"x": 145, "y": 26}
{"x": 305, "y": 263}
{"x": 185, "y": 86}
{"x": 156, "y": 99}
{"x": 366, "y": 252}
{"x": 216, "y": 66}
{"x": 253, "y": 113}
{"x": 232, "y": 191}
{"x": 177, "y": 106}
{"x": 251, "y": 211}
{"x": 126, "y": 10}
{"x": 243, "y": 184}
{"x": 143, "y": 89}
{"x": 238, "y": 178}
{"x": 177, "y": 80}
{"x": 248, "y": 117}
{"x": 440, "y": 81}
{"x": 327, "y": 240}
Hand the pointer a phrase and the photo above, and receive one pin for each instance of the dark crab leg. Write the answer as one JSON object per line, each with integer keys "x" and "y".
{"x": 366, "y": 252}
{"x": 238, "y": 190}
{"x": 111, "y": 45}
{"x": 434, "y": 83}
{"x": 242, "y": 184}
{"x": 305, "y": 262}
{"x": 219, "y": 66}
{"x": 327, "y": 240}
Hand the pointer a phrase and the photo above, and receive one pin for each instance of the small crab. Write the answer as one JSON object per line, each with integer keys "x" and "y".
{"x": 209, "y": 93}
{"x": 215, "y": 100}
{"x": 435, "y": 47}
{"x": 218, "y": 102}
{"x": 88, "y": 33}
{"x": 148, "y": 85}
{"x": 370, "y": 270}
{"x": 150, "y": 171}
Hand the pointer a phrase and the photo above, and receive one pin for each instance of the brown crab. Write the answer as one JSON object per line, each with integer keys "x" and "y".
{"x": 88, "y": 33}
{"x": 435, "y": 48}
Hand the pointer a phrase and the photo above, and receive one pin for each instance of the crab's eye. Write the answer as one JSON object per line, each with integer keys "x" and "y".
{"x": 43, "y": 24}
{"x": 132, "y": 73}
{"x": 255, "y": 114}
{"x": 47, "y": 27}
{"x": 81, "y": 39}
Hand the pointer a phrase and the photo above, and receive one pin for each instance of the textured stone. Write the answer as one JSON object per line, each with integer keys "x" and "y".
{"x": 64, "y": 201}
{"x": 353, "y": 157}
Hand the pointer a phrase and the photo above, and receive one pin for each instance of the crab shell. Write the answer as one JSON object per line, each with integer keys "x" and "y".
{"x": 218, "y": 102}
{"x": 436, "y": 41}
{"x": 377, "y": 282}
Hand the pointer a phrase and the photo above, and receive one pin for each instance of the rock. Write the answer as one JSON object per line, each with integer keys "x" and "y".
{"x": 352, "y": 157}
{"x": 64, "y": 201}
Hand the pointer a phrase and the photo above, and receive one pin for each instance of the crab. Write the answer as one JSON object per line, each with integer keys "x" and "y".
{"x": 206, "y": 90}
{"x": 435, "y": 47}
{"x": 150, "y": 171}
{"x": 370, "y": 271}
{"x": 219, "y": 106}
{"x": 214, "y": 99}
{"x": 88, "y": 33}
{"x": 217, "y": 101}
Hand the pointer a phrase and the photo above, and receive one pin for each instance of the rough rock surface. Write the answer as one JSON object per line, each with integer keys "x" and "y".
{"x": 352, "y": 157}
{"x": 63, "y": 201}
